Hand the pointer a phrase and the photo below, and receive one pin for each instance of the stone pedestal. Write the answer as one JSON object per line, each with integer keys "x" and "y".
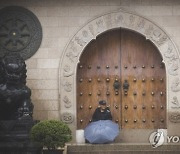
{"x": 20, "y": 148}
{"x": 15, "y": 139}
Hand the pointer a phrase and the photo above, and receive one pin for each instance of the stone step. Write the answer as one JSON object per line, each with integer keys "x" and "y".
{"x": 122, "y": 148}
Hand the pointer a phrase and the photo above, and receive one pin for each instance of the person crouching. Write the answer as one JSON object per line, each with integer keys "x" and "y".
{"x": 102, "y": 112}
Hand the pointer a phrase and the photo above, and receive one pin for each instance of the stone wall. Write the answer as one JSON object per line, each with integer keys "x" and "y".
{"x": 60, "y": 19}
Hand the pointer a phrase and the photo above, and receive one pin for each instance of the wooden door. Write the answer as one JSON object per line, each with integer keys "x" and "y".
{"x": 144, "y": 105}
{"x": 115, "y": 57}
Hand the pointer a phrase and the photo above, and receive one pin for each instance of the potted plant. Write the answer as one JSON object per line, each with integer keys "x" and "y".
{"x": 52, "y": 135}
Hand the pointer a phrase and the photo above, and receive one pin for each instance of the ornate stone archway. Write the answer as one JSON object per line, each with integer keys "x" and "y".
{"x": 113, "y": 20}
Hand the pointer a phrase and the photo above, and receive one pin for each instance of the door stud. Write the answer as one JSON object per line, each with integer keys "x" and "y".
{"x": 90, "y": 80}
{"x": 89, "y": 67}
{"x": 126, "y": 107}
{"x": 125, "y": 93}
{"x": 98, "y": 67}
{"x": 134, "y": 66}
{"x": 135, "y": 107}
{"x": 107, "y": 80}
{"x": 107, "y": 93}
{"x": 81, "y": 121}
{"x": 116, "y": 93}
{"x": 143, "y": 107}
{"x": 134, "y": 93}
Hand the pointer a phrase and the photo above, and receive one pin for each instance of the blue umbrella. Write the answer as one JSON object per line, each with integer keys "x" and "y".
{"x": 102, "y": 131}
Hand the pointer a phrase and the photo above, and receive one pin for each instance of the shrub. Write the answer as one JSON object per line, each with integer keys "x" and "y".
{"x": 51, "y": 133}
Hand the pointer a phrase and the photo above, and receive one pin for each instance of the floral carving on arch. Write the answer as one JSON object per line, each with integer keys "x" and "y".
{"x": 114, "y": 20}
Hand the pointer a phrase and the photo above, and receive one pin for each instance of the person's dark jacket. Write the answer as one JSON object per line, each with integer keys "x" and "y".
{"x": 98, "y": 115}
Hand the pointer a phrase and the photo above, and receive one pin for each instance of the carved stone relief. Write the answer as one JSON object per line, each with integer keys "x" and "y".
{"x": 174, "y": 117}
{"x": 175, "y": 87}
{"x": 67, "y": 71}
{"x": 67, "y": 102}
{"x": 119, "y": 19}
{"x": 155, "y": 34}
{"x": 67, "y": 117}
{"x": 20, "y": 32}
{"x": 108, "y": 21}
{"x": 85, "y": 36}
{"x": 71, "y": 56}
{"x": 175, "y": 102}
{"x": 159, "y": 37}
{"x": 67, "y": 86}
{"x": 141, "y": 24}
{"x": 131, "y": 20}
{"x": 149, "y": 30}
{"x": 173, "y": 67}
{"x": 80, "y": 41}
{"x": 173, "y": 64}
{"x": 73, "y": 53}
{"x": 91, "y": 29}
{"x": 100, "y": 25}
{"x": 169, "y": 53}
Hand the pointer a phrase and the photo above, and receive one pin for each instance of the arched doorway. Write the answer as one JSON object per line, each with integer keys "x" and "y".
{"x": 118, "y": 58}
{"x": 91, "y": 30}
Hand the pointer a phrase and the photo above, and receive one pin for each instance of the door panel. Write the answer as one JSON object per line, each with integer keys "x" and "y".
{"x": 141, "y": 67}
{"x": 110, "y": 70}
{"x": 121, "y": 55}
{"x": 95, "y": 65}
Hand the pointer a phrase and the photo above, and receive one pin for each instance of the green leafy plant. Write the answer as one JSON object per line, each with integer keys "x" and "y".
{"x": 51, "y": 133}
